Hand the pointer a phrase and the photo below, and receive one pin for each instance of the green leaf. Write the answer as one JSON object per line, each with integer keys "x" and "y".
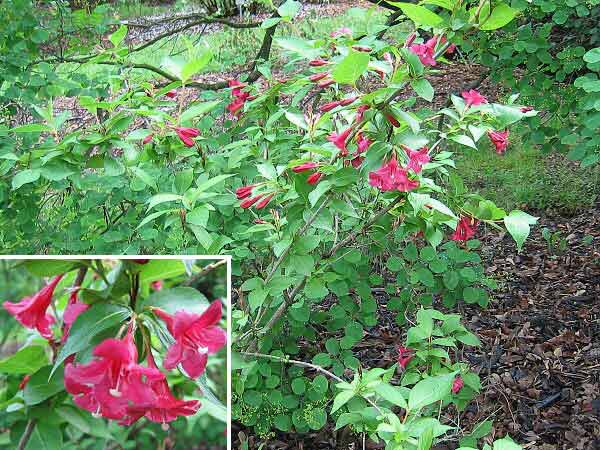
{"x": 161, "y": 269}
{"x": 32, "y": 128}
{"x": 162, "y": 198}
{"x": 117, "y": 37}
{"x": 154, "y": 215}
{"x": 318, "y": 191}
{"x": 83, "y": 421}
{"x": 283, "y": 422}
{"x": 270, "y": 22}
{"x": 43, "y": 385}
{"x": 25, "y": 177}
{"x": 197, "y": 109}
{"x": 419, "y": 14}
{"x": 506, "y": 444}
{"x": 501, "y": 15}
{"x": 176, "y": 299}
{"x": 45, "y": 436}
{"x": 392, "y": 394}
{"x": 96, "y": 319}
{"x": 351, "y": 67}
{"x": 446, "y": 4}
{"x": 317, "y": 418}
{"x": 257, "y": 297}
{"x": 430, "y": 390}
{"x": 49, "y": 267}
{"x": 423, "y": 88}
{"x": 195, "y": 65}
{"x": 145, "y": 177}
{"x": 341, "y": 399}
{"x": 289, "y": 9}
{"x": 518, "y": 224}
{"x": 425, "y": 439}
{"x": 592, "y": 56}
{"x": 296, "y": 119}
{"x": 464, "y": 140}
{"x": 298, "y": 386}
{"x": 202, "y": 187}
{"x": 27, "y": 360}
{"x": 299, "y": 46}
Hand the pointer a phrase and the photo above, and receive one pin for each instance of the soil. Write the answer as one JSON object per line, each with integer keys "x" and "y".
{"x": 540, "y": 358}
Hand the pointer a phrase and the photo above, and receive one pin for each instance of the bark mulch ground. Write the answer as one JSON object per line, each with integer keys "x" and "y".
{"x": 540, "y": 359}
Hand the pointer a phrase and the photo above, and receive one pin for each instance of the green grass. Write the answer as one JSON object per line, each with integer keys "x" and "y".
{"x": 525, "y": 178}
{"x": 130, "y": 9}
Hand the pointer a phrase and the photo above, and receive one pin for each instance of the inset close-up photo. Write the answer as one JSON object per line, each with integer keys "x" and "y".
{"x": 113, "y": 354}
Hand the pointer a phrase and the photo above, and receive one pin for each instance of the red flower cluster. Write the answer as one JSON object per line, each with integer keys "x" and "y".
{"x": 392, "y": 120}
{"x": 245, "y": 192}
{"x": 332, "y": 105}
{"x": 196, "y": 337}
{"x": 239, "y": 98}
{"x": 344, "y": 31}
{"x": 322, "y": 79}
{"x": 472, "y": 97}
{"x": 72, "y": 311}
{"x": 363, "y": 144}
{"x": 405, "y": 354}
{"x": 465, "y": 229}
{"x": 457, "y": 384}
{"x": 339, "y": 140}
{"x": 31, "y": 311}
{"x": 116, "y": 386}
{"x": 113, "y": 381}
{"x": 417, "y": 158}
{"x": 362, "y": 48}
{"x": 318, "y": 62}
{"x": 186, "y": 134}
{"x": 172, "y": 93}
{"x": 391, "y": 177}
{"x": 500, "y": 140}
{"x": 360, "y": 113}
{"x": 312, "y": 178}
{"x": 166, "y": 408}
{"x": 426, "y": 51}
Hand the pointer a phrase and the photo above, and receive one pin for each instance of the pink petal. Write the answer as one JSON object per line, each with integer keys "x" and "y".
{"x": 194, "y": 363}
{"x": 174, "y": 356}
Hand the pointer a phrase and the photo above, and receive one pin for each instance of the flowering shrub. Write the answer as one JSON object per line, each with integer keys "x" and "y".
{"x": 311, "y": 178}
{"x": 115, "y": 345}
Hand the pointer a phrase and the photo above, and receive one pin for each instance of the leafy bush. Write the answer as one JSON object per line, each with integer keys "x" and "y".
{"x": 80, "y": 380}
{"x": 310, "y": 179}
{"x": 551, "y": 56}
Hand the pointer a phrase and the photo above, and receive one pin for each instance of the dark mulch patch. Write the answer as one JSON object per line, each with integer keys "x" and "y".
{"x": 540, "y": 359}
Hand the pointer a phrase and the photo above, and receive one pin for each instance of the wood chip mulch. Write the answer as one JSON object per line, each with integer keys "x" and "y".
{"x": 540, "y": 359}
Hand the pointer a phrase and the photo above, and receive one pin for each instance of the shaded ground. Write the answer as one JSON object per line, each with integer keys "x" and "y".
{"x": 540, "y": 360}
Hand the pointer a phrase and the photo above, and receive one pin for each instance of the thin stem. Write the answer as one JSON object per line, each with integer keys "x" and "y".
{"x": 301, "y": 231}
{"x": 206, "y": 269}
{"x": 27, "y": 434}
